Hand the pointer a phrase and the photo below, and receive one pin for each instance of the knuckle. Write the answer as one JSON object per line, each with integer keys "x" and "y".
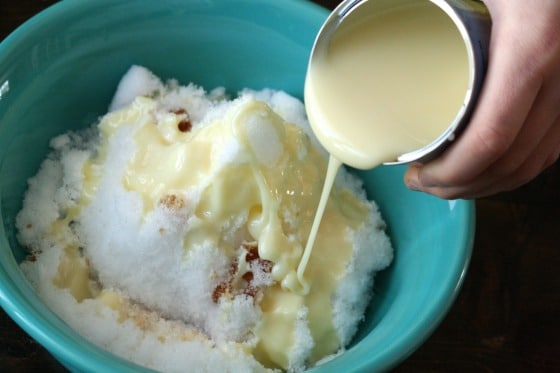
{"x": 525, "y": 174}
{"x": 523, "y": 178}
{"x": 493, "y": 142}
{"x": 507, "y": 166}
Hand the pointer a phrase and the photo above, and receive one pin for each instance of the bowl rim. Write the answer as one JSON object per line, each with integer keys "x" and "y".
{"x": 88, "y": 356}
{"x": 453, "y": 287}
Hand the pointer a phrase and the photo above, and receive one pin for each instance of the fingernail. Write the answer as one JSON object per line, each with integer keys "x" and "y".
{"x": 411, "y": 179}
{"x": 412, "y": 185}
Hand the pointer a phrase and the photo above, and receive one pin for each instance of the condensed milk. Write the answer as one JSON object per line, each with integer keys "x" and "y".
{"x": 390, "y": 82}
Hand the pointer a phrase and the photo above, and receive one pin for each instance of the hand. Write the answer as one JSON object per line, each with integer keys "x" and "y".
{"x": 514, "y": 133}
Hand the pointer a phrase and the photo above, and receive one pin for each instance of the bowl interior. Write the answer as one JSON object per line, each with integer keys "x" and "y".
{"x": 59, "y": 71}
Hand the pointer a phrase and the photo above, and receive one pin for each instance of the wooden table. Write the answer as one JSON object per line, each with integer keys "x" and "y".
{"x": 507, "y": 316}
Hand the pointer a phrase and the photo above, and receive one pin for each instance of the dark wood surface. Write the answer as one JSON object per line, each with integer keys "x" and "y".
{"x": 507, "y": 315}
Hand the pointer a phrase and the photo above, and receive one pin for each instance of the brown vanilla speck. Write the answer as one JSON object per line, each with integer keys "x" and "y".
{"x": 172, "y": 201}
{"x": 185, "y": 125}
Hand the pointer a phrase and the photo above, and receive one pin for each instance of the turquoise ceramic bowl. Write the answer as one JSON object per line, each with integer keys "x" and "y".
{"x": 58, "y": 72}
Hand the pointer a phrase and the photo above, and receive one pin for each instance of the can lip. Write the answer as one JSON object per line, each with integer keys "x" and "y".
{"x": 437, "y": 146}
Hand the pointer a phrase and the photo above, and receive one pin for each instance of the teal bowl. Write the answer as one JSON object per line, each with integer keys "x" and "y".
{"x": 58, "y": 72}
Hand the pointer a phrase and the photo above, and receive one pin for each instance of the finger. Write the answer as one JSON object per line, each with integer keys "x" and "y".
{"x": 542, "y": 117}
{"x": 546, "y": 154}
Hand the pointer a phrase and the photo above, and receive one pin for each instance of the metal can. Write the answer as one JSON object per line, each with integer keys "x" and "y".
{"x": 472, "y": 20}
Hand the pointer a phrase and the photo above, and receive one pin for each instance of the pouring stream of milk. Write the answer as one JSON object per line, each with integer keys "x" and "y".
{"x": 389, "y": 83}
